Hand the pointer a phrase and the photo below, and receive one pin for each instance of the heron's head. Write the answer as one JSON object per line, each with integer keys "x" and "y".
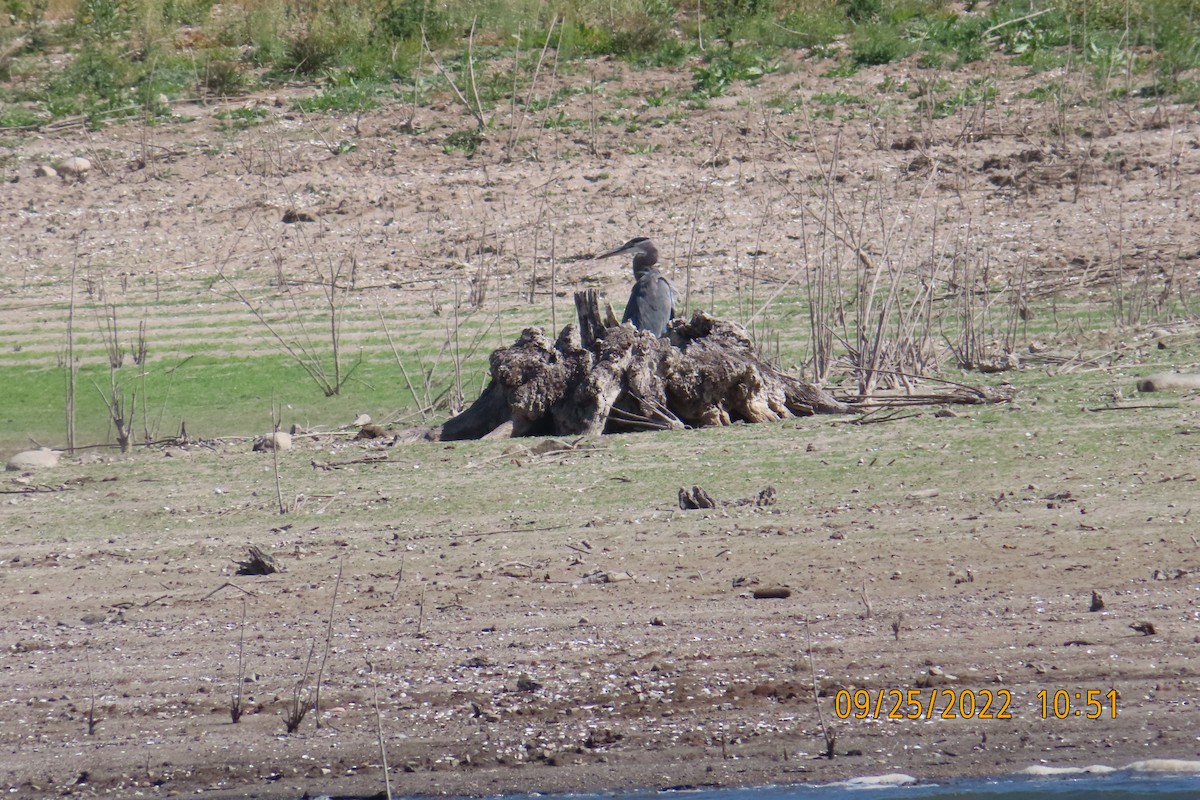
{"x": 644, "y": 253}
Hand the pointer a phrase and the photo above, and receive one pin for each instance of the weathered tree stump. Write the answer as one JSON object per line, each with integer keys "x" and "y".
{"x": 259, "y": 563}
{"x": 598, "y": 377}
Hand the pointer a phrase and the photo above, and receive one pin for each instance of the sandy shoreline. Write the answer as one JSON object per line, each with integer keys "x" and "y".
{"x": 665, "y": 673}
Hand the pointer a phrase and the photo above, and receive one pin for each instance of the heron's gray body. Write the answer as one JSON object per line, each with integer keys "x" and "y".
{"x": 652, "y": 301}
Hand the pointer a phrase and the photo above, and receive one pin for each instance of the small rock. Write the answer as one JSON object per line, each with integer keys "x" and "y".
{"x": 527, "y": 684}
{"x": 292, "y": 216}
{"x": 45, "y": 458}
{"x": 936, "y": 676}
{"x": 45, "y": 171}
{"x": 548, "y": 446}
{"x": 1169, "y": 381}
{"x": 360, "y": 420}
{"x": 74, "y": 167}
{"x": 370, "y": 431}
{"x": 274, "y": 441}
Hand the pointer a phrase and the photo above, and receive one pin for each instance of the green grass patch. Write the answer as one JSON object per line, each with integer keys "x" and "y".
{"x": 343, "y": 94}
{"x": 215, "y": 396}
{"x": 122, "y": 58}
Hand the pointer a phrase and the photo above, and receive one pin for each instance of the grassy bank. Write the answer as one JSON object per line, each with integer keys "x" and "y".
{"x": 106, "y": 59}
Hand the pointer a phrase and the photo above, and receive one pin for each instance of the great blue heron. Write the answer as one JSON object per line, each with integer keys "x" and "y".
{"x": 652, "y": 302}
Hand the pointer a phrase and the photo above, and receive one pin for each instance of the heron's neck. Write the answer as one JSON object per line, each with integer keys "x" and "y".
{"x": 644, "y": 261}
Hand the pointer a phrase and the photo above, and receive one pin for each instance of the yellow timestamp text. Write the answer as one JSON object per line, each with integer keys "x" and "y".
{"x": 955, "y": 703}
{"x": 1084, "y": 703}
{"x": 946, "y": 703}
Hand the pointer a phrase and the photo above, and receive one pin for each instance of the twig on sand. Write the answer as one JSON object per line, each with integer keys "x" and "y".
{"x": 235, "y": 702}
{"x": 508, "y": 530}
{"x": 222, "y": 586}
{"x": 387, "y": 781}
{"x": 91, "y": 714}
{"x": 380, "y": 458}
{"x": 829, "y": 736}
{"x": 328, "y": 641}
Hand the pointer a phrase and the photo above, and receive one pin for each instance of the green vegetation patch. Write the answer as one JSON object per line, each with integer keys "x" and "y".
{"x": 124, "y": 57}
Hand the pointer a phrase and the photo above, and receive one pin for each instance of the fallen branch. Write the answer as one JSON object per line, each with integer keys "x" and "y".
{"x": 224, "y": 585}
{"x": 380, "y": 458}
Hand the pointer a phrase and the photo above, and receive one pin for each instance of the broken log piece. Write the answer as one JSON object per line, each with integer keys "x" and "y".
{"x": 528, "y": 378}
{"x": 696, "y": 498}
{"x": 259, "y": 563}
{"x": 587, "y": 311}
{"x": 609, "y": 379}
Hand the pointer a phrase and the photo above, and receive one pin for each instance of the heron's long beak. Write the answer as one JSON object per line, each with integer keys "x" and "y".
{"x": 622, "y": 249}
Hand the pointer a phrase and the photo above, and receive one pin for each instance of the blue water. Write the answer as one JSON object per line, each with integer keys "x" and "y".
{"x": 1115, "y": 786}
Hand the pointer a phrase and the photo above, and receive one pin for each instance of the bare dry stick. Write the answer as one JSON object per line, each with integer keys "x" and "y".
{"x": 687, "y": 279}
{"x": 276, "y": 419}
{"x": 400, "y": 363}
{"x": 553, "y": 280}
{"x": 328, "y": 642}
{"x": 92, "y": 722}
{"x": 121, "y": 412}
{"x": 477, "y": 113}
{"x": 387, "y": 781}
{"x": 298, "y": 342}
{"x": 1007, "y": 22}
{"x": 71, "y": 367}
{"x": 459, "y": 397}
{"x": 298, "y": 351}
{"x": 399, "y": 578}
{"x": 235, "y": 704}
{"x": 829, "y": 736}
{"x": 515, "y": 131}
{"x": 300, "y": 705}
{"x": 471, "y": 69}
